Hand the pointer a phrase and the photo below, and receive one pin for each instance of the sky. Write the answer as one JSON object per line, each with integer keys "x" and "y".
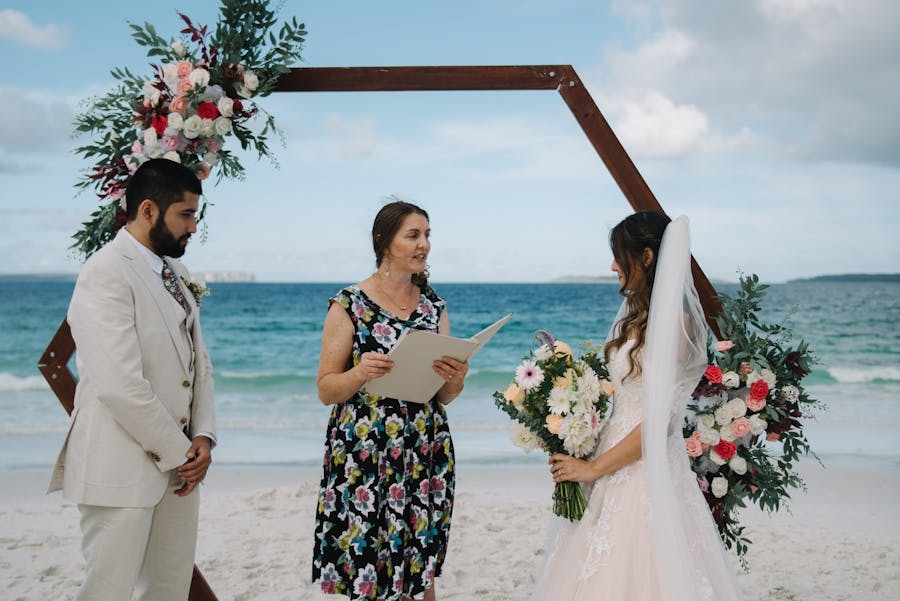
{"x": 771, "y": 124}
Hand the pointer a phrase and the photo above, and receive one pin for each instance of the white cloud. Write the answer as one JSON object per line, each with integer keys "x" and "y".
{"x": 19, "y": 27}
{"x": 355, "y": 137}
{"x": 654, "y": 127}
{"x": 34, "y": 121}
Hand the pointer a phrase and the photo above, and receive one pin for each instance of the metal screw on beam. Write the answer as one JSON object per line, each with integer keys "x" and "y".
{"x": 552, "y": 74}
{"x": 571, "y": 83}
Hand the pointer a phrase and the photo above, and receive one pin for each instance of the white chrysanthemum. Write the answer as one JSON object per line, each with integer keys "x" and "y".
{"x": 710, "y": 437}
{"x": 225, "y": 106}
{"x": 731, "y": 379}
{"x": 706, "y": 422}
{"x": 223, "y": 126}
{"x": 757, "y": 425}
{"x": 577, "y": 433}
{"x": 543, "y": 353}
{"x": 528, "y": 375}
{"x": 558, "y": 402}
{"x": 738, "y": 407}
{"x": 768, "y": 376}
{"x": 724, "y": 415}
{"x": 738, "y": 465}
{"x": 588, "y": 384}
{"x": 719, "y": 487}
{"x": 191, "y": 127}
{"x": 172, "y": 156}
{"x": 199, "y": 77}
{"x": 522, "y": 437}
{"x": 791, "y": 393}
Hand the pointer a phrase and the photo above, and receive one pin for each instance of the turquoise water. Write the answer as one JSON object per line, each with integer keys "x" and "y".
{"x": 264, "y": 342}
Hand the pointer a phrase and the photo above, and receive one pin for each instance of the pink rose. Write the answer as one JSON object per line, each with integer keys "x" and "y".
{"x": 740, "y": 427}
{"x": 136, "y": 148}
{"x": 184, "y": 68}
{"x": 713, "y": 374}
{"x": 184, "y": 86}
{"x": 755, "y": 404}
{"x": 178, "y": 105}
{"x": 170, "y": 142}
{"x": 693, "y": 446}
{"x": 724, "y": 346}
{"x": 704, "y": 485}
{"x": 773, "y": 436}
{"x": 745, "y": 368}
{"x": 212, "y": 145}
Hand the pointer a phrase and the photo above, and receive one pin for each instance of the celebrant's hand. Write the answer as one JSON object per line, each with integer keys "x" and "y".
{"x": 565, "y": 468}
{"x": 451, "y": 370}
{"x": 374, "y": 365}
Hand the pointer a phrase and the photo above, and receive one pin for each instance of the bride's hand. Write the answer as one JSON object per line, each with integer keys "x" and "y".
{"x": 565, "y": 468}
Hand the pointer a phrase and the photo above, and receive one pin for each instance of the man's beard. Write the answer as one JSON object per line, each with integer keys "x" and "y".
{"x": 164, "y": 243}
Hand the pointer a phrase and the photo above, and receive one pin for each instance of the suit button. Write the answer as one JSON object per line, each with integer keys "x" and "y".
{"x": 183, "y": 421}
{"x": 186, "y": 384}
{"x": 153, "y": 455}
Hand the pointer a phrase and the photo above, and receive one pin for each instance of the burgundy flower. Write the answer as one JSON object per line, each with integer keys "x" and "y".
{"x": 793, "y": 363}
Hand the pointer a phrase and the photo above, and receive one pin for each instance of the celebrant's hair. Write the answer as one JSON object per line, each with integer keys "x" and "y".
{"x": 162, "y": 181}
{"x": 387, "y": 224}
{"x": 628, "y": 240}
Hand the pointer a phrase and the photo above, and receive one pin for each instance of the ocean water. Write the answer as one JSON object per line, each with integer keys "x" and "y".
{"x": 264, "y": 342}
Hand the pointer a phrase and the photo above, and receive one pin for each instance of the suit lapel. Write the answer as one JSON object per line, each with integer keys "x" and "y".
{"x": 171, "y": 312}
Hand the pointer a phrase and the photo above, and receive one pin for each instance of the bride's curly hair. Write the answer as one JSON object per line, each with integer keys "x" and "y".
{"x": 629, "y": 242}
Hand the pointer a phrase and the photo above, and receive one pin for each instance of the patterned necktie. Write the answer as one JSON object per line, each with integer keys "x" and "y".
{"x": 170, "y": 281}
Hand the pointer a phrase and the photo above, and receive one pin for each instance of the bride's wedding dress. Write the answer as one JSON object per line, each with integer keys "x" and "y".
{"x": 647, "y": 534}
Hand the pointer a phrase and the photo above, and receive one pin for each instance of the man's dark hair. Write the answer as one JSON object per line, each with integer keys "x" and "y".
{"x": 162, "y": 181}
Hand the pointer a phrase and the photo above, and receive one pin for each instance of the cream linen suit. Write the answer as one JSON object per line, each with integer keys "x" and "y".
{"x": 145, "y": 386}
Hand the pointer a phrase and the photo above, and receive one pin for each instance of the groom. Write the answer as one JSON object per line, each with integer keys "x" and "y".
{"x": 140, "y": 436}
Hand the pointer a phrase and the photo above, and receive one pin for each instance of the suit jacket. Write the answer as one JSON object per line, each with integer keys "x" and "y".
{"x": 144, "y": 377}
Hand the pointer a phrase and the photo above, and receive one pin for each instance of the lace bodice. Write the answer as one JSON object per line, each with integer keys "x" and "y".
{"x": 626, "y": 412}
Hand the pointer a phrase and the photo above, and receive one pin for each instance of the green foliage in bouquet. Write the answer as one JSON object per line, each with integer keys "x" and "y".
{"x": 558, "y": 404}
{"x": 744, "y": 431}
{"x": 241, "y": 60}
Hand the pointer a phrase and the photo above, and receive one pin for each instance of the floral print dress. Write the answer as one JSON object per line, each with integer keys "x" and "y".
{"x": 383, "y": 515}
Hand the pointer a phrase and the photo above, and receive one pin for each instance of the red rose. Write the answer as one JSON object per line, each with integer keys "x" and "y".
{"x": 725, "y": 449}
{"x": 713, "y": 374}
{"x": 159, "y": 123}
{"x": 237, "y": 107}
{"x": 207, "y": 110}
{"x": 759, "y": 390}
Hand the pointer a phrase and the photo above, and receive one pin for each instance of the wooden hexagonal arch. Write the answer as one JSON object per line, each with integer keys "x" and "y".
{"x": 54, "y": 362}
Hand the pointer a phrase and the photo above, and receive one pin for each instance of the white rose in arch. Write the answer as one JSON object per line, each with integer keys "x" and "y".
{"x": 223, "y": 125}
{"x": 719, "y": 487}
{"x": 738, "y": 465}
{"x": 757, "y": 425}
{"x": 172, "y": 156}
{"x": 724, "y": 415}
{"x": 731, "y": 380}
{"x": 716, "y": 458}
{"x": 207, "y": 128}
{"x": 178, "y": 48}
{"x": 225, "y": 106}
{"x": 175, "y": 122}
{"x": 251, "y": 81}
{"x": 768, "y": 376}
{"x": 211, "y": 158}
{"x": 199, "y": 77}
{"x": 710, "y": 437}
{"x": 191, "y": 127}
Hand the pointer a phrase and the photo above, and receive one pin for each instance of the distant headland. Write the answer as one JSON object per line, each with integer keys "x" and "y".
{"x": 851, "y": 277}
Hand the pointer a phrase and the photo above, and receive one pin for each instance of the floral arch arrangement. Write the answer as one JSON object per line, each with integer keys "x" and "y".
{"x": 203, "y": 91}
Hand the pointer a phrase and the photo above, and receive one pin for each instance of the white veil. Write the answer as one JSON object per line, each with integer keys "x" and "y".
{"x": 674, "y": 360}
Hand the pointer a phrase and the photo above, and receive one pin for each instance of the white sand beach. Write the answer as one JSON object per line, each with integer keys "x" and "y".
{"x": 841, "y": 541}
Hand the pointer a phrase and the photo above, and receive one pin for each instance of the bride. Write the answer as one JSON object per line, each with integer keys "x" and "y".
{"x": 647, "y": 534}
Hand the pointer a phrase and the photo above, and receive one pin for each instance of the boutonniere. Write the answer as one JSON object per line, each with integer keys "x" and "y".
{"x": 197, "y": 288}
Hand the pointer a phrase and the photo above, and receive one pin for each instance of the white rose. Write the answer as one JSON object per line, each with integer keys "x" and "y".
{"x": 170, "y": 75}
{"x": 223, "y": 126}
{"x": 757, "y": 425}
{"x": 151, "y": 93}
{"x": 522, "y": 437}
{"x": 211, "y": 158}
{"x": 768, "y": 376}
{"x": 178, "y": 48}
{"x": 175, "y": 122}
{"x": 791, "y": 393}
{"x": 716, "y": 458}
{"x": 752, "y": 377}
{"x": 251, "y": 81}
{"x": 738, "y": 465}
{"x": 172, "y": 156}
{"x": 199, "y": 77}
{"x": 706, "y": 422}
{"x": 226, "y": 109}
{"x": 243, "y": 91}
{"x": 710, "y": 437}
{"x": 727, "y": 434}
{"x": 207, "y": 128}
{"x": 150, "y": 136}
{"x": 737, "y": 407}
{"x": 191, "y": 127}
{"x": 723, "y": 415}
{"x": 154, "y": 150}
{"x": 719, "y": 487}
{"x": 731, "y": 379}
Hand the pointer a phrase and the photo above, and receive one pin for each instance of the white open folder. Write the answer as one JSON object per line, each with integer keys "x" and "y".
{"x": 413, "y": 378}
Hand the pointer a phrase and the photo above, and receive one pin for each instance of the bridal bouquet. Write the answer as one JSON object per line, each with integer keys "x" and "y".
{"x": 558, "y": 403}
{"x": 200, "y": 94}
{"x": 743, "y": 431}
